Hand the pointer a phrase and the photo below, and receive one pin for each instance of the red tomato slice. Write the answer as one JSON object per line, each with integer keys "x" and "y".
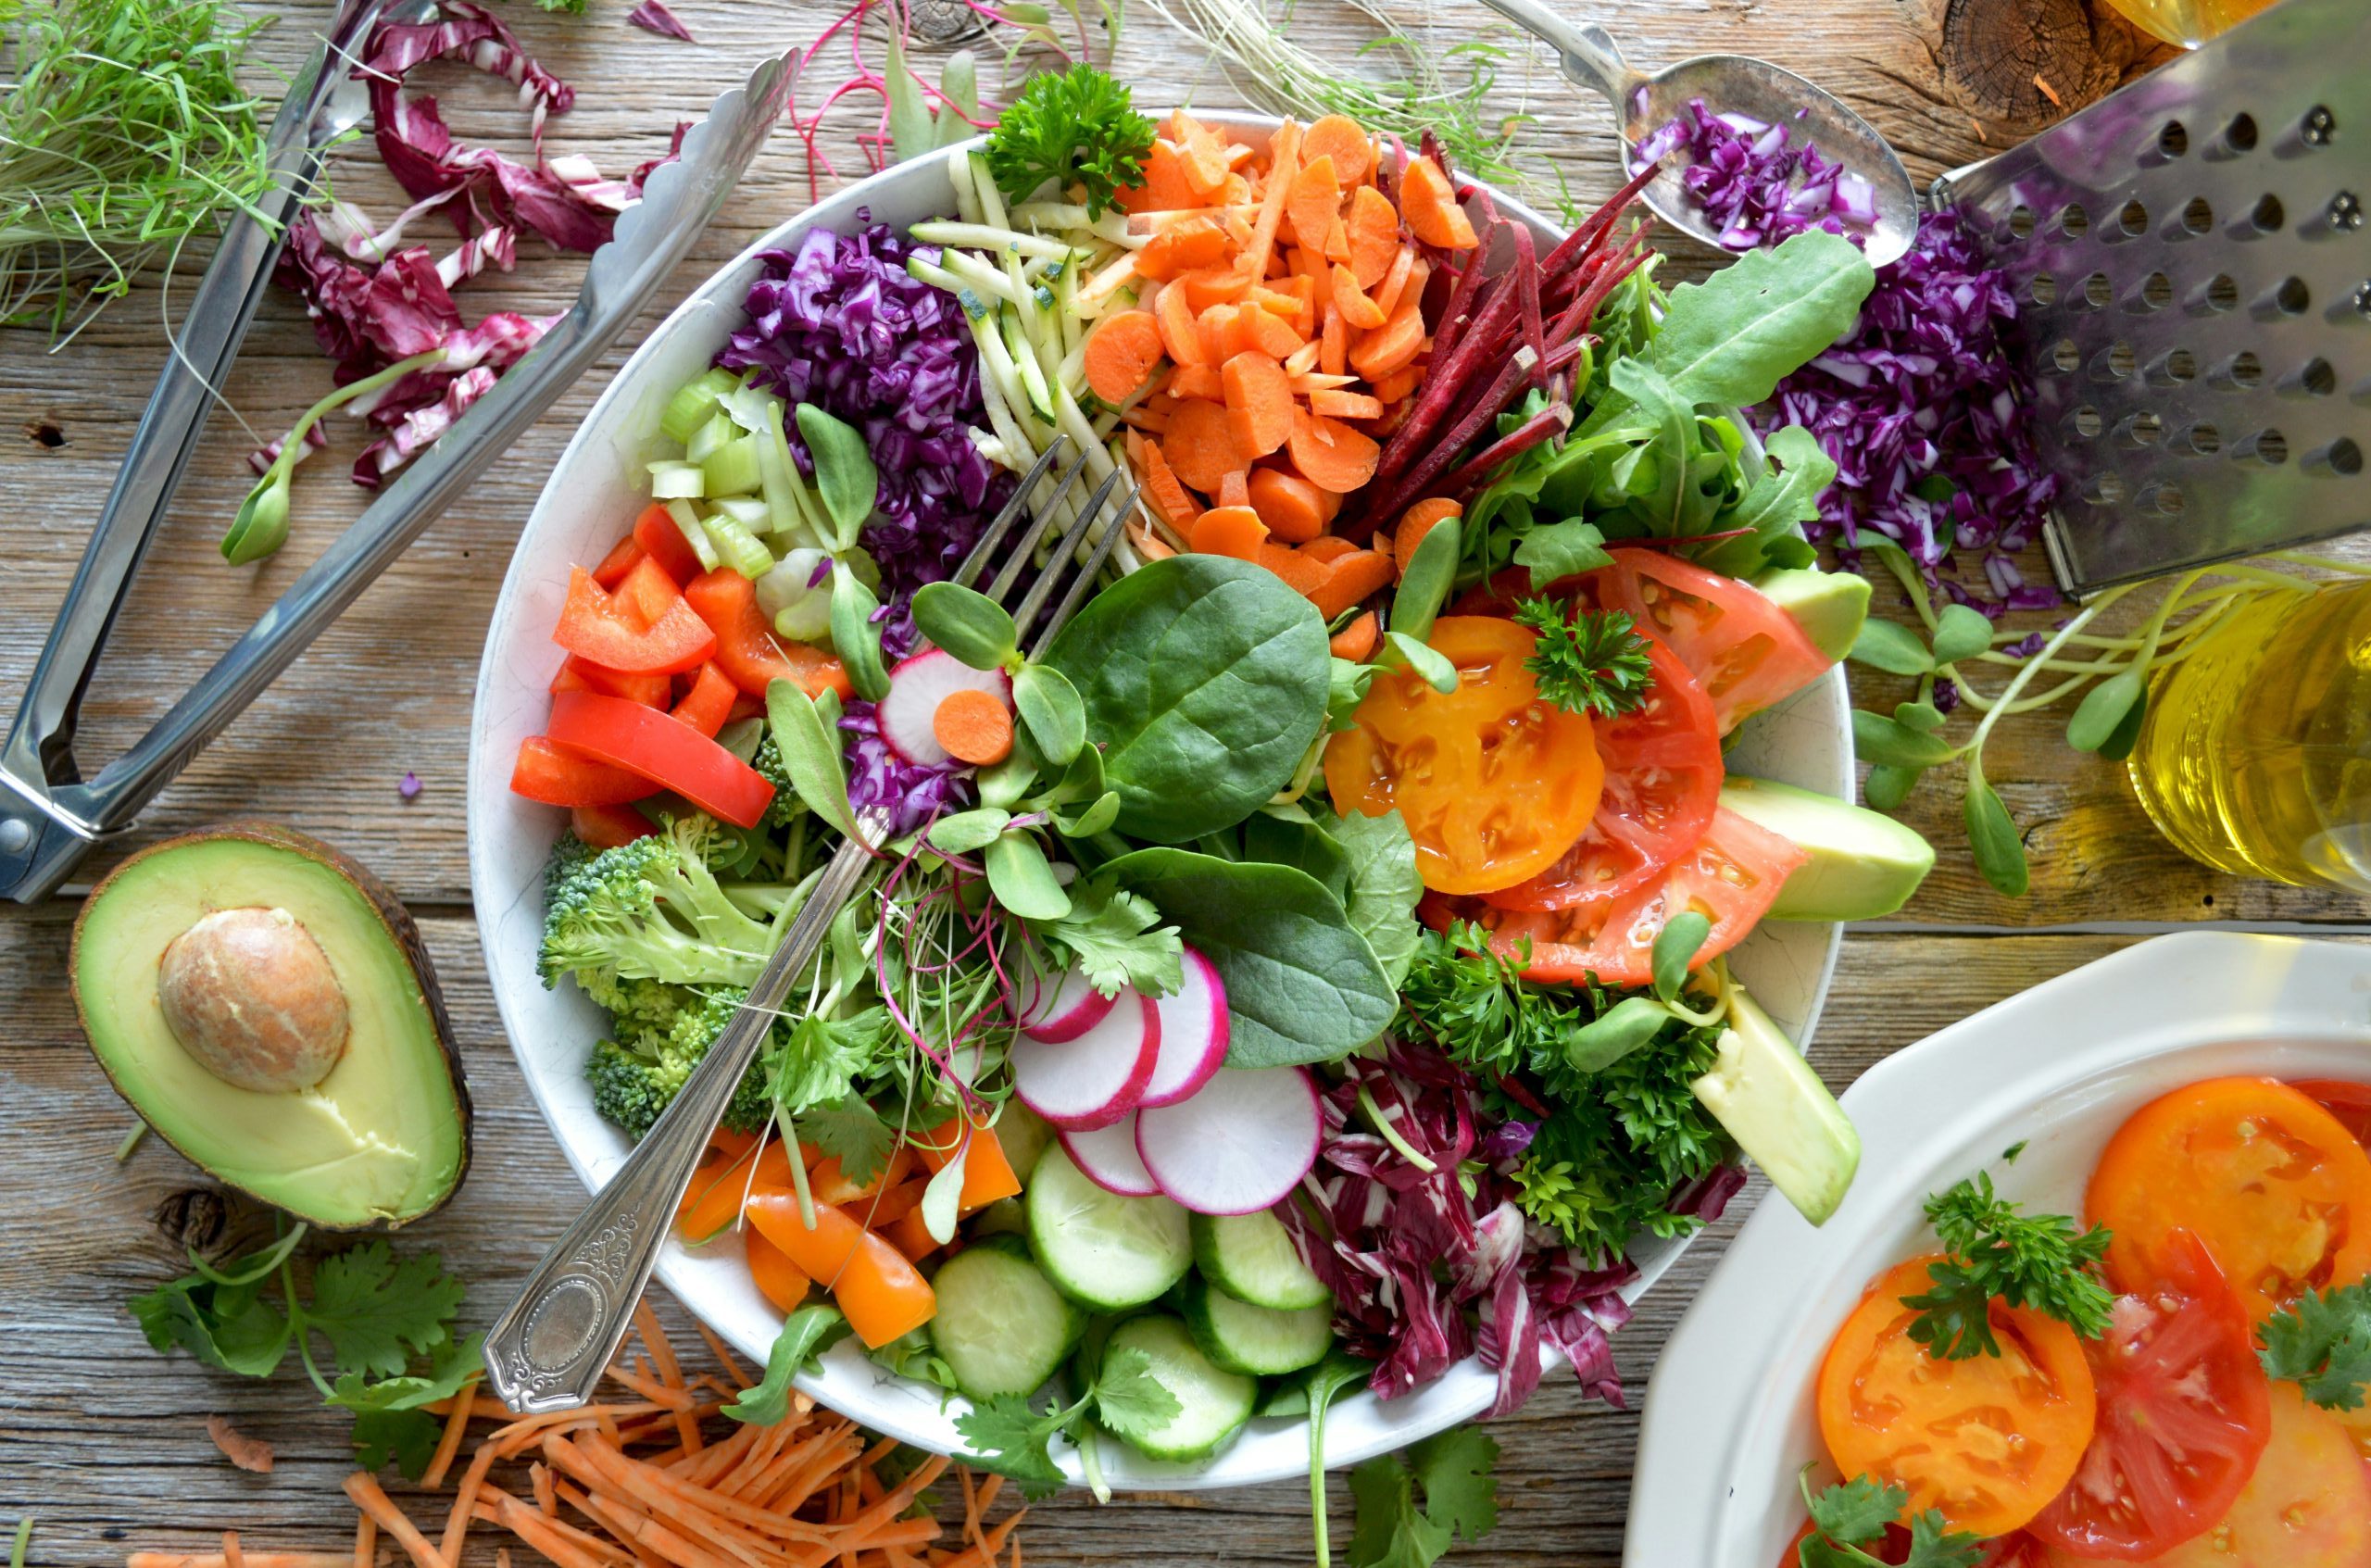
{"x": 2351, "y": 1103}
{"x": 558, "y": 776}
{"x": 745, "y": 647}
{"x": 1731, "y": 877}
{"x": 2183, "y": 1414}
{"x": 663, "y": 749}
{"x": 1662, "y": 779}
{"x": 1747, "y": 651}
{"x": 604, "y": 629}
{"x": 656, "y": 532}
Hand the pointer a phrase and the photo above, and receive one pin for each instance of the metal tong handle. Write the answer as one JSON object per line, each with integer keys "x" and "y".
{"x": 45, "y": 827}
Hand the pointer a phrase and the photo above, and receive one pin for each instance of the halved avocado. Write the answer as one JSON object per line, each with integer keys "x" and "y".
{"x": 253, "y": 955}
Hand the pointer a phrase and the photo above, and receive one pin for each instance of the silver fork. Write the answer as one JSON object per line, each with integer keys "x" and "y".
{"x": 550, "y": 1347}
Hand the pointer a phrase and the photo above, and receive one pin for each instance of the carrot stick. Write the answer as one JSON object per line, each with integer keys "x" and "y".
{"x": 457, "y": 1422}
{"x": 366, "y": 1541}
{"x": 658, "y": 1395}
{"x": 1253, "y": 264}
{"x": 465, "y": 1496}
{"x": 231, "y": 1556}
{"x": 371, "y": 1498}
{"x": 253, "y": 1559}
{"x": 539, "y": 1476}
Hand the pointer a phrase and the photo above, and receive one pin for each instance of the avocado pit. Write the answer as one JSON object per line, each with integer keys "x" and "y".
{"x": 251, "y": 995}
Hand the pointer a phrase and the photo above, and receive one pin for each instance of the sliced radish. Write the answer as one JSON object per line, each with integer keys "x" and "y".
{"x": 1097, "y": 1078}
{"x": 917, "y": 685}
{"x": 1193, "y": 1034}
{"x": 1066, "y": 1011}
{"x": 1108, "y": 1158}
{"x": 1239, "y": 1144}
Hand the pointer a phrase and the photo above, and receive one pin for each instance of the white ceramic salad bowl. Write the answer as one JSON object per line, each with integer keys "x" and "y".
{"x": 589, "y": 500}
{"x": 1731, "y": 1422}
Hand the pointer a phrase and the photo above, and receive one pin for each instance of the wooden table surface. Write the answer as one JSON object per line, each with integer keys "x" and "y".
{"x": 104, "y": 1441}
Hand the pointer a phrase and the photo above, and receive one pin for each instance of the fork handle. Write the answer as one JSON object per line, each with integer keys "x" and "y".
{"x": 550, "y": 1347}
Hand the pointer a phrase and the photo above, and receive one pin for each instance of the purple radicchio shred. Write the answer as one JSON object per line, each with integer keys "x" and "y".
{"x": 1929, "y": 421}
{"x": 1753, "y": 183}
{"x": 912, "y": 793}
{"x": 839, "y": 322}
{"x": 1427, "y": 1267}
{"x": 410, "y": 786}
{"x": 653, "y": 16}
{"x": 1707, "y": 1198}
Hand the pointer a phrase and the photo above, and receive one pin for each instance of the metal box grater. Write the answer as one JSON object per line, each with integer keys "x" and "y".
{"x": 2193, "y": 277}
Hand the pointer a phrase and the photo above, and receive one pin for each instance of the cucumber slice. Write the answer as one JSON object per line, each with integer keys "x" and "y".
{"x": 1242, "y": 1338}
{"x": 1253, "y": 1258}
{"x": 1214, "y": 1403}
{"x": 1001, "y": 1326}
{"x": 1109, "y": 1251}
{"x": 1004, "y": 1217}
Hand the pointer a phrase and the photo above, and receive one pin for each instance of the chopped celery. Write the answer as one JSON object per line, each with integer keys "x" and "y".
{"x": 799, "y": 609}
{"x": 732, "y": 469}
{"x": 739, "y": 548}
{"x": 749, "y": 511}
{"x": 692, "y": 403}
{"x": 797, "y": 515}
{"x": 713, "y": 432}
{"x": 672, "y": 481}
{"x": 687, "y": 518}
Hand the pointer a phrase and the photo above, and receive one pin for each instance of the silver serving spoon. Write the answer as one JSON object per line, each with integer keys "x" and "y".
{"x": 1727, "y": 83}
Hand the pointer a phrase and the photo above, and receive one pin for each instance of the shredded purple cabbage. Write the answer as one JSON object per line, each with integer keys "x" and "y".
{"x": 1929, "y": 421}
{"x": 1425, "y": 1271}
{"x": 653, "y": 16}
{"x": 912, "y": 793}
{"x": 840, "y": 323}
{"x": 1754, "y": 182}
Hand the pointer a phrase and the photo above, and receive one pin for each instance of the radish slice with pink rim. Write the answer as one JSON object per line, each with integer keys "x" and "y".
{"x": 917, "y": 685}
{"x": 1070, "y": 1009}
{"x": 1106, "y": 1155}
{"x": 1193, "y": 1034}
{"x": 1097, "y": 1078}
{"x": 1241, "y": 1144}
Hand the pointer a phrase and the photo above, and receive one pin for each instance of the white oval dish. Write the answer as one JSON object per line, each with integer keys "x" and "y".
{"x": 589, "y": 501}
{"x": 1729, "y": 1420}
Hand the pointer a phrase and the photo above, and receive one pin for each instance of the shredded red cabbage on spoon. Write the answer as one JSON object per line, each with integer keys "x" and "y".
{"x": 1752, "y": 179}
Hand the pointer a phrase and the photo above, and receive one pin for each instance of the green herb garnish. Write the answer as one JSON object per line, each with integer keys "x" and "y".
{"x": 1855, "y": 1514}
{"x": 2321, "y": 1342}
{"x": 1593, "y": 661}
{"x": 2000, "y": 1253}
{"x": 1459, "y": 1500}
{"x": 1076, "y": 127}
{"x": 1009, "y": 1434}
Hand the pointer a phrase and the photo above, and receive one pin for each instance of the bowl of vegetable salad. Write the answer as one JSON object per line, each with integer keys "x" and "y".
{"x": 1303, "y": 1005}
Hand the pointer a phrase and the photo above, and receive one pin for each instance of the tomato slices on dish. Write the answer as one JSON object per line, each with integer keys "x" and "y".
{"x": 1662, "y": 779}
{"x": 1989, "y": 1440}
{"x": 2351, "y": 1103}
{"x": 1731, "y": 877}
{"x": 2274, "y": 1185}
{"x": 1494, "y": 783}
{"x": 2184, "y": 1415}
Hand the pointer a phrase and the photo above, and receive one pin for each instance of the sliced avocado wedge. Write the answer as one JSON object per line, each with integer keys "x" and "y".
{"x": 267, "y": 1007}
{"x": 1864, "y": 864}
{"x": 1828, "y": 606}
{"x": 1771, "y": 1101}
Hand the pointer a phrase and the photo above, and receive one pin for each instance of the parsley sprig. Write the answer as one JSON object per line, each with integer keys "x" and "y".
{"x": 1855, "y": 1514}
{"x": 378, "y": 1314}
{"x": 1072, "y": 127}
{"x": 2000, "y": 1252}
{"x": 1592, "y": 662}
{"x": 1009, "y": 1434}
{"x": 2322, "y": 1343}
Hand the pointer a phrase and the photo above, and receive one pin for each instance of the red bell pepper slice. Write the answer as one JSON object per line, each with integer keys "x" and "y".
{"x": 618, "y": 562}
{"x": 710, "y": 702}
{"x": 558, "y": 776}
{"x": 745, "y": 646}
{"x": 665, "y": 750}
{"x": 580, "y": 674}
{"x": 610, "y": 630}
{"x": 656, "y": 532}
{"x": 605, "y": 827}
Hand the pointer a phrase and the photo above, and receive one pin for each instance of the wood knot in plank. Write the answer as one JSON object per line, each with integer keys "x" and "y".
{"x": 2018, "y": 67}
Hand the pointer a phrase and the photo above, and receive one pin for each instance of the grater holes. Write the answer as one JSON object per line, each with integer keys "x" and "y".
{"x": 2241, "y": 372}
{"x": 2106, "y": 489}
{"x": 2315, "y": 378}
{"x": 2156, "y": 291}
{"x": 2174, "y": 367}
{"x": 2099, "y": 290}
{"x": 2264, "y": 218}
{"x": 2021, "y": 221}
{"x": 2165, "y": 498}
{"x": 2197, "y": 217}
{"x": 2200, "y": 440}
{"x": 2218, "y": 293}
{"x": 2043, "y": 289}
{"x": 2074, "y": 220}
{"x": 2132, "y": 220}
{"x": 2138, "y": 431}
{"x": 2267, "y": 446}
{"x": 2344, "y": 214}
{"x": 2173, "y": 141}
{"x": 2318, "y": 126}
{"x": 2341, "y": 458}
{"x": 2287, "y": 298}
{"x": 2116, "y": 362}
{"x": 2362, "y": 300}
{"x": 2238, "y": 136}
{"x": 2086, "y": 423}
{"x": 2065, "y": 357}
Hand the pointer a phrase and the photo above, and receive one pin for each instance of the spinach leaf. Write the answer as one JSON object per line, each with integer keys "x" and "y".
{"x": 1729, "y": 340}
{"x": 1301, "y": 984}
{"x": 1303, "y": 844}
{"x": 1383, "y": 886}
{"x": 1204, "y": 680}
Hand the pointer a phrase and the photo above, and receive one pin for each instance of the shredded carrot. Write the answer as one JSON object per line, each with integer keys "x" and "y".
{"x": 456, "y": 1424}
{"x": 366, "y": 1541}
{"x": 248, "y": 1454}
{"x": 231, "y": 1556}
{"x": 373, "y": 1499}
{"x": 671, "y": 1371}
{"x": 253, "y": 1559}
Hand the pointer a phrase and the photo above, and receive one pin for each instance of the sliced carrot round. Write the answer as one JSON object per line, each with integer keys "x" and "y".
{"x": 1200, "y": 445}
{"x": 973, "y": 727}
{"x": 1314, "y": 202}
{"x": 1339, "y": 137}
{"x": 1417, "y": 522}
{"x": 1227, "y": 531}
{"x": 1374, "y": 235}
{"x": 1259, "y": 403}
{"x": 1429, "y": 203}
{"x": 1331, "y": 454}
{"x": 1358, "y": 310}
{"x": 1289, "y": 503}
{"x": 1121, "y": 353}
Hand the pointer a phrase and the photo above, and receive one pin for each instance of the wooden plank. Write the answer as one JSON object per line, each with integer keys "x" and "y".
{"x": 103, "y": 1436}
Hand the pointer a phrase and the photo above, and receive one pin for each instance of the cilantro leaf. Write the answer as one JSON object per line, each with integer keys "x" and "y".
{"x": 2321, "y": 1342}
{"x": 406, "y": 1440}
{"x": 377, "y": 1312}
{"x": 1934, "y": 1545}
{"x": 1855, "y": 1514}
{"x": 851, "y": 1132}
{"x": 1587, "y": 661}
{"x": 1072, "y": 127}
{"x": 1453, "y": 1468}
{"x": 805, "y": 1336}
{"x": 819, "y": 1060}
{"x": 1129, "y": 1398}
{"x": 230, "y": 1326}
{"x": 1118, "y": 940}
{"x": 2000, "y": 1252}
{"x": 1009, "y": 1436}
{"x": 1388, "y": 1531}
{"x": 456, "y": 1363}
{"x": 1856, "y": 1511}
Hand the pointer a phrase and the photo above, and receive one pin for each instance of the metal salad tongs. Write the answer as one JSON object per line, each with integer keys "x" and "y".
{"x": 50, "y": 815}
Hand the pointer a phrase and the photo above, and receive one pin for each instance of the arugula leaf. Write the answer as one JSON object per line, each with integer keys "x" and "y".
{"x": 1588, "y": 661}
{"x": 805, "y": 1336}
{"x": 2000, "y": 1252}
{"x": 1561, "y": 549}
{"x": 377, "y": 1312}
{"x": 1773, "y": 507}
{"x": 1452, "y": 1472}
{"x": 851, "y": 1132}
{"x": 1071, "y": 127}
{"x": 1129, "y": 1398}
{"x": 1729, "y": 340}
{"x": 1118, "y": 939}
{"x": 2321, "y": 1342}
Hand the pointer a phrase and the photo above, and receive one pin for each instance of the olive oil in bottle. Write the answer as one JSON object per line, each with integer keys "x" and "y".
{"x": 2190, "y": 22}
{"x": 2254, "y": 756}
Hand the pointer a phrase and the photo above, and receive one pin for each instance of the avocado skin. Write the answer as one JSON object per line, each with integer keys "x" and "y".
{"x": 398, "y": 924}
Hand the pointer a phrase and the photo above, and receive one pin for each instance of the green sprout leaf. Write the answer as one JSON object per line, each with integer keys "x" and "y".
{"x": 1992, "y": 835}
{"x": 968, "y": 624}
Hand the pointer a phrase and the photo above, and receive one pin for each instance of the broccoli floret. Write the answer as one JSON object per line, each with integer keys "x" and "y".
{"x": 632, "y": 1083}
{"x": 652, "y": 909}
{"x": 639, "y": 1006}
{"x": 786, "y": 803}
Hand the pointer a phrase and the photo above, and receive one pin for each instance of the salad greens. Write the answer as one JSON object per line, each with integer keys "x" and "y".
{"x": 1587, "y": 661}
{"x": 806, "y": 1335}
{"x": 1074, "y": 127}
{"x": 1999, "y": 1252}
{"x": 2322, "y": 1341}
{"x": 1413, "y": 1504}
{"x": 1008, "y": 1434}
{"x": 1856, "y": 1513}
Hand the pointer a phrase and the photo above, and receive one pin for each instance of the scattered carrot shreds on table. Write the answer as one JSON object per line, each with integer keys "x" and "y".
{"x": 661, "y": 1481}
